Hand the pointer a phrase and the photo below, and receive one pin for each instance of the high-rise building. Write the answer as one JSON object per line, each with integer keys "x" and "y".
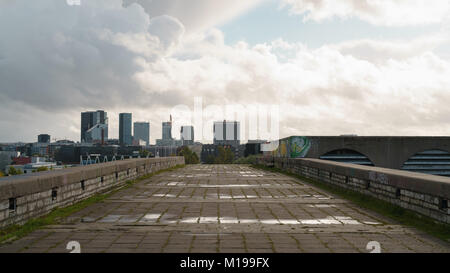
{"x": 187, "y": 135}
{"x": 141, "y": 132}
{"x": 227, "y": 133}
{"x": 125, "y": 137}
{"x": 44, "y": 138}
{"x": 91, "y": 119}
{"x": 167, "y": 130}
{"x": 97, "y": 133}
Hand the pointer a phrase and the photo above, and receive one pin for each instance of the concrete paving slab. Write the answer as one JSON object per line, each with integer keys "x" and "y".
{"x": 226, "y": 209}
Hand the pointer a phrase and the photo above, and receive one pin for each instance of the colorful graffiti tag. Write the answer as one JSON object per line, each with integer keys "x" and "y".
{"x": 299, "y": 146}
{"x": 293, "y": 147}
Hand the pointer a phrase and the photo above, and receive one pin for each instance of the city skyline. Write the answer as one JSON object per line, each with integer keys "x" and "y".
{"x": 225, "y": 128}
{"x": 354, "y": 69}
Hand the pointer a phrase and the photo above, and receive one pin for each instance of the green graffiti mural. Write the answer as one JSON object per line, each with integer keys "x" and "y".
{"x": 293, "y": 147}
{"x": 299, "y": 146}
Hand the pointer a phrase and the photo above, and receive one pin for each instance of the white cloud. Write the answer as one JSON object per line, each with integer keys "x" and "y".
{"x": 196, "y": 15}
{"x": 384, "y": 50}
{"x": 376, "y": 12}
{"x": 63, "y": 60}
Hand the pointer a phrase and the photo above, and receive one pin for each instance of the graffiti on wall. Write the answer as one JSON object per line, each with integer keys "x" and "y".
{"x": 299, "y": 146}
{"x": 293, "y": 147}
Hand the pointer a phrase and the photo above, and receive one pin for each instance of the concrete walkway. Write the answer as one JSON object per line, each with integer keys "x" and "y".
{"x": 229, "y": 209}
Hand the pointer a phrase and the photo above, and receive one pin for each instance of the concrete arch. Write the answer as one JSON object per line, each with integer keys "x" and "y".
{"x": 384, "y": 152}
{"x": 430, "y": 161}
{"x": 346, "y": 155}
{"x": 407, "y": 156}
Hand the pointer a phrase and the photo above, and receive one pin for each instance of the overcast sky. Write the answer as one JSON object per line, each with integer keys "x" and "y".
{"x": 334, "y": 67}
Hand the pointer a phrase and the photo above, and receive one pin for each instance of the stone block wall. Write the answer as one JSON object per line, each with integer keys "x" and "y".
{"x": 425, "y": 194}
{"x": 24, "y": 197}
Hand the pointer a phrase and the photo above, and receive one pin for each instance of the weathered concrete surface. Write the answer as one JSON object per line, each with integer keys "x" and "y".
{"x": 28, "y": 196}
{"x": 383, "y": 151}
{"x": 425, "y": 194}
{"x": 225, "y": 208}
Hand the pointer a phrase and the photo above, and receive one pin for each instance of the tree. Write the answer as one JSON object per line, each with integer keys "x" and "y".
{"x": 225, "y": 156}
{"x": 144, "y": 153}
{"x": 210, "y": 159}
{"x": 42, "y": 169}
{"x": 189, "y": 156}
{"x": 1, "y": 174}
{"x": 251, "y": 159}
{"x": 14, "y": 171}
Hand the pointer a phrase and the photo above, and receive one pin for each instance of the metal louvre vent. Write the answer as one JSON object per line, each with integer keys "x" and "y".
{"x": 436, "y": 162}
{"x": 347, "y": 156}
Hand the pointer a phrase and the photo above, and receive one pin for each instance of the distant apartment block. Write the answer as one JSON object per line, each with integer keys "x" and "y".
{"x": 167, "y": 139}
{"x": 94, "y": 126}
{"x": 125, "y": 137}
{"x": 44, "y": 138}
{"x": 227, "y": 133}
{"x": 141, "y": 133}
{"x": 187, "y": 135}
{"x": 167, "y": 130}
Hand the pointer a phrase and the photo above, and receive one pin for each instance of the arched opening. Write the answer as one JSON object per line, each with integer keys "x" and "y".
{"x": 347, "y": 156}
{"x": 436, "y": 162}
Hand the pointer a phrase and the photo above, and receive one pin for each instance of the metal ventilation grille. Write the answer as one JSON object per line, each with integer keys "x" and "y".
{"x": 347, "y": 156}
{"x": 435, "y": 162}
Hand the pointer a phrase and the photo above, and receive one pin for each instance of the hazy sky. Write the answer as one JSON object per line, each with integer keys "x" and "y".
{"x": 366, "y": 67}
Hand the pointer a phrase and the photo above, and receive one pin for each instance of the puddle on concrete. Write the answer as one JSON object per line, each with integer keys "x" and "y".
{"x": 289, "y": 222}
{"x": 252, "y": 196}
{"x": 175, "y": 184}
{"x": 191, "y": 175}
{"x": 88, "y": 220}
{"x": 269, "y": 221}
{"x": 248, "y": 221}
{"x": 129, "y": 218}
{"x": 371, "y": 223}
{"x": 239, "y": 197}
{"x": 150, "y": 218}
{"x": 347, "y": 220}
{"x": 266, "y": 196}
{"x": 225, "y": 196}
{"x": 164, "y": 195}
{"x": 322, "y": 206}
{"x": 228, "y": 220}
{"x": 168, "y": 219}
{"x": 208, "y": 220}
{"x": 189, "y": 220}
{"x": 110, "y": 218}
{"x": 172, "y": 219}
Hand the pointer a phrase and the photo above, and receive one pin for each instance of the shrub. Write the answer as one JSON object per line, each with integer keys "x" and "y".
{"x": 189, "y": 156}
{"x": 251, "y": 159}
{"x": 14, "y": 171}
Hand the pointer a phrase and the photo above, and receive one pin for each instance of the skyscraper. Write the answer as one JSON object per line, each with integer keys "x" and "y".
{"x": 187, "y": 135}
{"x": 44, "y": 138}
{"x": 125, "y": 137}
{"x": 167, "y": 130}
{"x": 227, "y": 133}
{"x": 141, "y": 131}
{"x": 89, "y": 120}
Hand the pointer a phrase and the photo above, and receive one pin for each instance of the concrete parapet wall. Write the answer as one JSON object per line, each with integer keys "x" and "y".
{"x": 425, "y": 194}
{"x": 24, "y": 197}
